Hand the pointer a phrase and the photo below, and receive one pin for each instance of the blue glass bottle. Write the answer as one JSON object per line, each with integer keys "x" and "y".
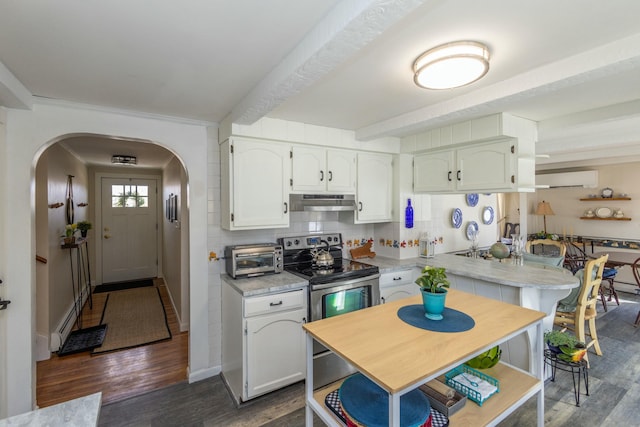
{"x": 408, "y": 215}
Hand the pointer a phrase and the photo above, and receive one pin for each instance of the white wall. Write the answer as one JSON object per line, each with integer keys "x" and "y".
{"x": 174, "y": 182}
{"x": 568, "y": 209}
{"x": 54, "y": 296}
{"x": 28, "y": 134}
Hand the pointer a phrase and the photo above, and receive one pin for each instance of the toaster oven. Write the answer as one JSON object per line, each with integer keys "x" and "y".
{"x": 253, "y": 260}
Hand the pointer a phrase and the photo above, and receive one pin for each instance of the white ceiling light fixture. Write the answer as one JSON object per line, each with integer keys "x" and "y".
{"x": 451, "y": 65}
{"x": 120, "y": 159}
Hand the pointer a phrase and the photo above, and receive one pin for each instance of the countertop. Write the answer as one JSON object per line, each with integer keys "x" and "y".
{"x": 504, "y": 273}
{"x": 81, "y": 412}
{"x": 262, "y": 285}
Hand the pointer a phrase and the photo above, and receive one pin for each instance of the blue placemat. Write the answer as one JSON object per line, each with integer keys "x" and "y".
{"x": 453, "y": 320}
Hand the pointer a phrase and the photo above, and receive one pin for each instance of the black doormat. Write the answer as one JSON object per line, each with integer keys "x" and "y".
{"x": 110, "y": 287}
{"x": 83, "y": 340}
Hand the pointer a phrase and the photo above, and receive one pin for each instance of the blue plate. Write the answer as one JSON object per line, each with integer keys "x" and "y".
{"x": 487, "y": 215}
{"x": 456, "y": 218}
{"x": 472, "y": 199}
{"x": 472, "y": 228}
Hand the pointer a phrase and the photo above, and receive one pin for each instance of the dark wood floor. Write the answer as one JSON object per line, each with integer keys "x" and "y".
{"x": 119, "y": 375}
{"x": 614, "y": 398}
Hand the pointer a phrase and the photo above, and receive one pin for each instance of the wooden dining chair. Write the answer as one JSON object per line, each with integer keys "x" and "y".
{"x": 585, "y": 311}
{"x": 636, "y": 275}
{"x": 561, "y": 251}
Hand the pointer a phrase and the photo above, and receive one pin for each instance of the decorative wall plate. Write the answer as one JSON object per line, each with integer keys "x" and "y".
{"x": 472, "y": 229}
{"x": 456, "y": 218}
{"x": 487, "y": 215}
{"x": 604, "y": 212}
{"x": 472, "y": 199}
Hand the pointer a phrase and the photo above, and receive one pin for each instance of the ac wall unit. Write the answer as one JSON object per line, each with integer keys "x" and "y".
{"x": 581, "y": 179}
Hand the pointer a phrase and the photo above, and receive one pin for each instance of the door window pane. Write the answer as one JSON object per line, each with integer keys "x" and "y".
{"x": 129, "y": 196}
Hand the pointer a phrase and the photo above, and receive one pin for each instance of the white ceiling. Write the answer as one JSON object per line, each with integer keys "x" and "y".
{"x": 572, "y": 65}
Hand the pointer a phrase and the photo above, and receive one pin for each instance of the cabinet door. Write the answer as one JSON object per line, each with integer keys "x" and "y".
{"x": 341, "y": 171}
{"x": 394, "y": 293}
{"x": 275, "y": 351}
{"x": 374, "y": 183}
{"x": 434, "y": 172}
{"x": 260, "y": 172}
{"x": 308, "y": 169}
{"x": 488, "y": 166}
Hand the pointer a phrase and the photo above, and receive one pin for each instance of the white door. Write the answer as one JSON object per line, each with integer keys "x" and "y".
{"x": 129, "y": 229}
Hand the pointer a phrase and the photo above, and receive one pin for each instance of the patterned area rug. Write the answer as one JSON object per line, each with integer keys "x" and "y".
{"x": 134, "y": 317}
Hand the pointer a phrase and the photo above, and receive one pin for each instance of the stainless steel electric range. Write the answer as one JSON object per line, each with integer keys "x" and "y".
{"x": 336, "y": 286}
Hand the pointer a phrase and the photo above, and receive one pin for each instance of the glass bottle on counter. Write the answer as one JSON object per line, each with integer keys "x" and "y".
{"x": 408, "y": 215}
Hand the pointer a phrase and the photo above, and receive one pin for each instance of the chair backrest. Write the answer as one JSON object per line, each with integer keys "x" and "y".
{"x": 574, "y": 258}
{"x": 591, "y": 280}
{"x": 511, "y": 228}
{"x": 634, "y": 268}
{"x": 562, "y": 249}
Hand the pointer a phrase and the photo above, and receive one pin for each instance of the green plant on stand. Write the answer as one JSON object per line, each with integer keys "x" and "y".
{"x": 433, "y": 283}
{"x": 566, "y": 346}
{"x": 84, "y": 226}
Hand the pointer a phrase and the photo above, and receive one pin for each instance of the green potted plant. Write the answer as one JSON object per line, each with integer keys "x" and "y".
{"x": 84, "y": 226}
{"x": 433, "y": 283}
{"x": 566, "y": 346}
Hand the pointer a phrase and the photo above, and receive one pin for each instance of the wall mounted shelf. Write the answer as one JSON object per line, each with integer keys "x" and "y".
{"x": 603, "y": 199}
{"x": 605, "y": 219}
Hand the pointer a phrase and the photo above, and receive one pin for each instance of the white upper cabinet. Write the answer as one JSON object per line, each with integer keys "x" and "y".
{"x": 434, "y": 172}
{"x": 319, "y": 170}
{"x": 485, "y": 166}
{"x": 254, "y": 184}
{"x": 375, "y": 182}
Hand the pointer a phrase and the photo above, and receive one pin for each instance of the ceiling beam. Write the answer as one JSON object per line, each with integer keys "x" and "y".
{"x": 13, "y": 94}
{"x": 348, "y": 27}
{"x": 608, "y": 60}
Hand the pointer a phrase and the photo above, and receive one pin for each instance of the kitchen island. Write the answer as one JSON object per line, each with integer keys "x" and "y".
{"x": 533, "y": 286}
{"x": 399, "y": 357}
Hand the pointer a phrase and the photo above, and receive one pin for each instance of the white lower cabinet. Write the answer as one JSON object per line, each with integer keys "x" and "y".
{"x": 263, "y": 345}
{"x": 397, "y": 285}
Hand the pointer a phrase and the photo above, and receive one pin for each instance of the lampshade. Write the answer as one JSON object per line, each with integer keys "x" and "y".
{"x": 544, "y": 208}
{"x": 451, "y": 65}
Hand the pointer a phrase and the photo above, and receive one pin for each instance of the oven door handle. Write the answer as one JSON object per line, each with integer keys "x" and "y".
{"x": 344, "y": 284}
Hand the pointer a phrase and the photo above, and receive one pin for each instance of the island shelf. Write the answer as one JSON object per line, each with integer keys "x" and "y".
{"x": 393, "y": 354}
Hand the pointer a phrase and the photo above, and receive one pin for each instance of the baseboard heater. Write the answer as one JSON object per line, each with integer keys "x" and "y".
{"x": 66, "y": 324}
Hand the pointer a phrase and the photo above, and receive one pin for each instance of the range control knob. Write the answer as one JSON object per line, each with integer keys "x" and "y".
{"x": 296, "y": 242}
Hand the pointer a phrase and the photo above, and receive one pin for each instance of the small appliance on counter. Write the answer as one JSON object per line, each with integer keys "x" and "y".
{"x": 253, "y": 259}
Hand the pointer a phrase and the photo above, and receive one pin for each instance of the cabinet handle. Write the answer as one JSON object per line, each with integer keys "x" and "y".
{"x": 275, "y": 304}
{"x": 382, "y": 299}
{"x": 321, "y": 176}
{"x": 304, "y": 320}
{"x": 360, "y": 205}
{"x": 458, "y": 175}
{"x": 449, "y": 176}
{"x": 397, "y": 278}
{"x": 286, "y": 207}
{"x": 330, "y": 176}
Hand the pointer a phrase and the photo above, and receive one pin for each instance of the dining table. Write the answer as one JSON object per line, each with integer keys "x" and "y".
{"x": 620, "y": 259}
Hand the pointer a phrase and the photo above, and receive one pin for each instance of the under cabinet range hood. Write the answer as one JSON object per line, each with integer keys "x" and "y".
{"x": 323, "y": 202}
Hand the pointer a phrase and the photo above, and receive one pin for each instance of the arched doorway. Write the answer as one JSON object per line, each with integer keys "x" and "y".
{"x": 28, "y": 134}
{"x": 86, "y": 158}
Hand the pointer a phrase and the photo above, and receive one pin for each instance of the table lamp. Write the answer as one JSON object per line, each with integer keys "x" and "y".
{"x": 544, "y": 209}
